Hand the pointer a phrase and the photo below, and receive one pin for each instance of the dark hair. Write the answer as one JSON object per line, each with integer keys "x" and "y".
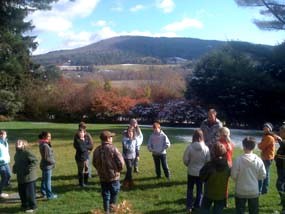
{"x": 219, "y": 150}
{"x": 249, "y": 143}
{"x": 81, "y": 125}
{"x": 198, "y": 135}
{"x": 43, "y": 135}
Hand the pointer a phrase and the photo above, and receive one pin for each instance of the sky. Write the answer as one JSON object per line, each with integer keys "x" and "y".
{"x": 77, "y": 23}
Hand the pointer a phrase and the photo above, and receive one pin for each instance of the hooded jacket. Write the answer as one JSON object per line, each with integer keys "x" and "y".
{"x": 47, "y": 156}
{"x": 195, "y": 156}
{"x": 4, "y": 152}
{"x": 216, "y": 174}
{"x": 247, "y": 169}
{"x": 158, "y": 143}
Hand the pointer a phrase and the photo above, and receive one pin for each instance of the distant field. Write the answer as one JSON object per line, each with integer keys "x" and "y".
{"x": 149, "y": 196}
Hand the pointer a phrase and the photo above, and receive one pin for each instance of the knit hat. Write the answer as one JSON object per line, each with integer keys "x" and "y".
{"x": 269, "y": 126}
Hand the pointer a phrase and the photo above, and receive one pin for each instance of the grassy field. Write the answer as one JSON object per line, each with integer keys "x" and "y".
{"x": 150, "y": 196}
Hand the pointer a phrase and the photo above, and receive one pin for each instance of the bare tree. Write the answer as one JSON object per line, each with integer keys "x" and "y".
{"x": 273, "y": 9}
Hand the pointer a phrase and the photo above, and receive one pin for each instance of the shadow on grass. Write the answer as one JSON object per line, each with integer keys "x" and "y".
{"x": 167, "y": 211}
{"x": 6, "y": 210}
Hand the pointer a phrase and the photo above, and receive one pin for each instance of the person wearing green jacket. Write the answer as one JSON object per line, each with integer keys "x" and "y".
{"x": 25, "y": 168}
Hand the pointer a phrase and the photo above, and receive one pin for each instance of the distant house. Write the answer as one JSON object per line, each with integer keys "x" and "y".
{"x": 175, "y": 60}
{"x": 68, "y": 67}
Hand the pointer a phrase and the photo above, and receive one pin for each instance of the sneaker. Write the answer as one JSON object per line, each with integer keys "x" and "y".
{"x": 29, "y": 211}
{"x": 54, "y": 196}
{"x": 4, "y": 195}
{"x": 136, "y": 170}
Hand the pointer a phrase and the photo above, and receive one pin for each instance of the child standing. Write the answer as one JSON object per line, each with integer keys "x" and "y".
{"x": 47, "y": 164}
{"x": 267, "y": 147}
{"x": 130, "y": 153}
{"x": 82, "y": 145}
{"x": 158, "y": 142}
{"x": 280, "y": 165}
{"x": 139, "y": 138}
{"x": 224, "y": 139}
{"x": 25, "y": 169}
{"x": 215, "y": 174}
{"x": 108, "y": 162}
{"x": 247, "y": 169}
{"x": 5, "y": 171}
{"x": 195, "y": 156}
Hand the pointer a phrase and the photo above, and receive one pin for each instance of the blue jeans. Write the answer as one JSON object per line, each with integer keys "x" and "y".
{"x": 218, "y": 206}
{"x": 191, "y": 181}
{"x": 5, "y": 174}
{"x": 161, "y": 159}
{"x": 252, "y": 205}
{"x": 263, "y": 184}
{"x": 110, "y": 192}
{"x": 46, "y": 183}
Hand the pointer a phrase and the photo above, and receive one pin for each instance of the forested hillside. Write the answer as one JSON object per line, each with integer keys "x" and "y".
{"x": 132, "y": 49}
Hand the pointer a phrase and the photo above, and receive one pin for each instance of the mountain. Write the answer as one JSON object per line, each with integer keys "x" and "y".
{"x": 132, "y": 49}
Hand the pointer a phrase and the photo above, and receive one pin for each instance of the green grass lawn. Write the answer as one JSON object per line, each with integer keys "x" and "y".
{"x": 150, "y": 196}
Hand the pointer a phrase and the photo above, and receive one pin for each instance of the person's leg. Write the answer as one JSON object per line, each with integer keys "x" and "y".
{"x": 164, "y": 165}
{"x": 128, "y": 176}
{"x": 189, "y": 196}
{"x": 80, "y": 166}
{"x": 136, "y": 165}
{"x": 30, "y": 192}
{"x": 156, "y": 160}
{"x": 240, "y": 205}
{"x": 85, "y": 172}
{"x": 253, "y": 206}
{"x": 106, "y": 194}
{"x": 199, "y": 188}
{"x": 21, "y": 190}
{"x": 5, "y": 174}
{"x": 280, "y": 185}
{"x": 206, "y": 205}
{"x": 115, "y": 189}
{"x": 49, "y": 193}
{"x": 219, "y": 206}
{"x": 265, "y": 183}
{"x": 43, "y": 184}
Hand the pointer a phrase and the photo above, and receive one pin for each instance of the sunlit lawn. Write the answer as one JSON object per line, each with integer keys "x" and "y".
{"x": 149, "y": 194}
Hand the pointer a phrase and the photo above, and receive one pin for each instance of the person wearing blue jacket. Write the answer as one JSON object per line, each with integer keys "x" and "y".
{"x": 5, "y": 171}
{"x": 158, "y": 142}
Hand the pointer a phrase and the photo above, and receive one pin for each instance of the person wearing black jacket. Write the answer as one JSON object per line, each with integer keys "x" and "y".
{"x": 82, "y": 146}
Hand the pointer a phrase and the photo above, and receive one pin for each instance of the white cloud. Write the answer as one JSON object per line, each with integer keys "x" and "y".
{"x": 137, "y": 8}
{"x": 183, "y": 24}
{"x": 74, "y": 40}
{"x": 60, "y": 17}
{"x": 166, "y": 5}
{"x": 117, "y": 7}
{"x": 100, "y": 23}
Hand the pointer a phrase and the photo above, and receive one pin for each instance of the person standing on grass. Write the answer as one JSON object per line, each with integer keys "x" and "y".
{"x": 210, "y": 128}
{"x": 139, "y": 138}
{"x": 158, "y": 143}
{"x": 280, "y": 166}
{"x": 224, "y": 139}
{"x": 246, "y": 171}
{"x": 215, "y": 174}
{"x": 25, "y": 167}
{"x": 47, "y": 164}
{"x": 108, "y": 162}
{"x": 83, "y": 146}
{"x": 130, "y": 153}
{"x": 195, "y": 156}
{"x": 82, "y": 126}
{"x": 267, "y": 147}
{"x": 5, "y": 171}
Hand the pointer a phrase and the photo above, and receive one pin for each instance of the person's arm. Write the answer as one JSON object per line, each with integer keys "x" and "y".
{"x": 47, "y": 155}
{"x": 186, "y": 156}
{"x": 149, "y": 144}
{"x": 235, "y": 169}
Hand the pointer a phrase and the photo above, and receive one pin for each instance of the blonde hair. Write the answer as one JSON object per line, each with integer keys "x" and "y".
{"x": 224, "y": 131}
{"x": 25, "y": 144}
{"x": 197, "y": 136}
